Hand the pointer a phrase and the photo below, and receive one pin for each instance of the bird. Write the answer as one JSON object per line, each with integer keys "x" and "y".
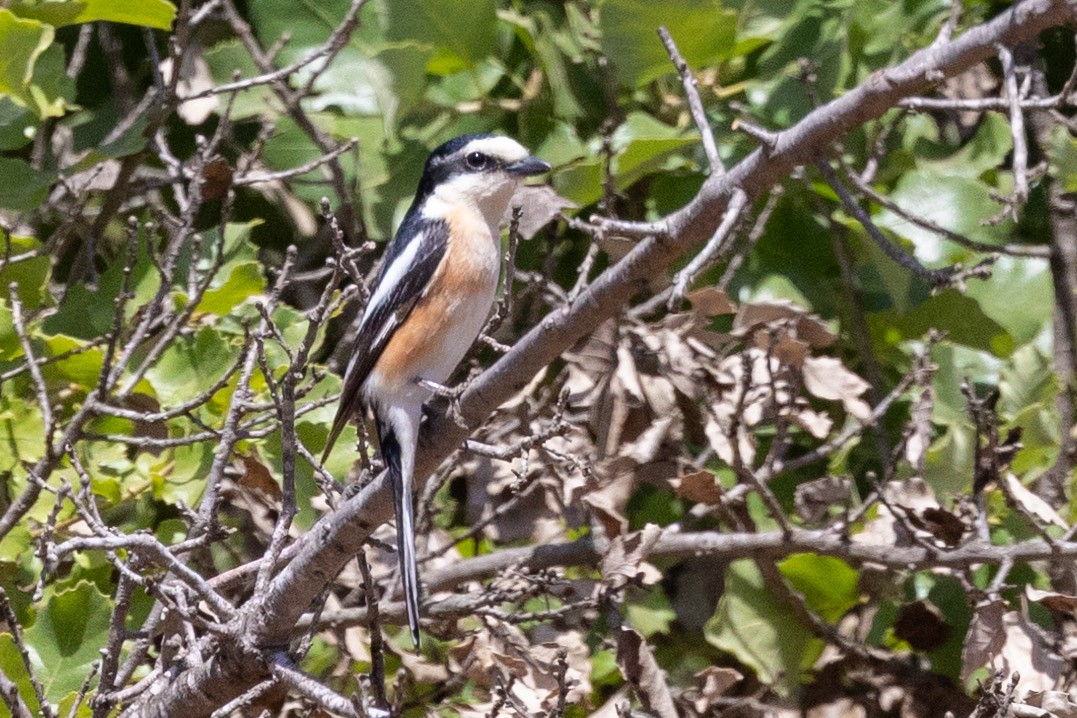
{"x": 430, "y": 298}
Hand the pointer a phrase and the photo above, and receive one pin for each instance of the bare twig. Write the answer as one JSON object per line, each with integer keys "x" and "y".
{"x": 695, "y": 104}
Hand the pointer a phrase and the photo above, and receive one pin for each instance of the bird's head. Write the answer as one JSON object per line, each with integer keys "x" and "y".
{"x": 481, "y": 171}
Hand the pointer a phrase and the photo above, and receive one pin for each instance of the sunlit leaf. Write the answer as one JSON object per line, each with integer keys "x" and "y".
{"x": 67, "y": 636}
{"x": 148, "y": 13}
{"x": 21, "y": 43}
{"x": 703, "y": 30}
{"x": 753, "y": 624}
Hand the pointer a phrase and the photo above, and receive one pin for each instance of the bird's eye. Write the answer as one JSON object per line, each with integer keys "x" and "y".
{"x": 477, "y": 160}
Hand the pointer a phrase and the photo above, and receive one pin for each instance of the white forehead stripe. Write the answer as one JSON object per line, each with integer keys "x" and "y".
{"x": 504, "y": 148}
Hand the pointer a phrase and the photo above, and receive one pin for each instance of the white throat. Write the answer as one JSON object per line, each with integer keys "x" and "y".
{"x": 488, "y": 195}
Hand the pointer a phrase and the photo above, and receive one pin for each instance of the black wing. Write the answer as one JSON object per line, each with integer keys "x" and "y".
{"x": 403, "y": 277}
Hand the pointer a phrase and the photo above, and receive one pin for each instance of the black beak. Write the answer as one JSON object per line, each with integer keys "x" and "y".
{"x": 527, "y": 167}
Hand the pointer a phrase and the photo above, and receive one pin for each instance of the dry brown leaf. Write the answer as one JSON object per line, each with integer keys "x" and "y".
{"x": 700, "y": 486}
{"x": 790, "y": 350}
{"x": 257, "y": 476}
{"x": 216, "y": 179}
{"x": 723, "y": 447}
{"x": 715, "y": 680}
{"x": 1032, "y": 503}
{"x": 912, "y": 494}
{"x": 711, "y": 302}
{"x": 827, "y": 378}
{"x": 814, "y": 422}
{"x": 808, "y": 328}
{"x": 1056, "y": 703}
{"x": 627, "y": 373}
{"x": 623, "y": 562}
{"x": 1027, "y": 651}
{"x": 660, "y": 395}
{"x": 102, "y": 176}
{"x": 1061, "y": 602}
{"x": 613, "y": 522}
{"x": 540, "y": 204}
{"x": 985, "y": 637}
{"x": 640, "y": 669}
{"x": 578, "y": 659}
{"x": 645, "y": 448}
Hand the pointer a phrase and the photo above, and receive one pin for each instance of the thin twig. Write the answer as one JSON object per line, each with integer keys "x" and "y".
{"x": 695, "y": 104}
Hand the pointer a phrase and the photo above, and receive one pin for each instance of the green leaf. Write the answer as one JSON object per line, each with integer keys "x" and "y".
{"x": 643, "y": 144}
{"x": 703, "y": 30}
{"x": 960, "y": 317}
{"x": 1062, "y": 158}
{"x": 387, "y": 83}
{"x": 180, "y": 474}
{"x": 22, "y": 432}
{"x": 959, "y": 204}
{"x": 53, "y": 91}
{"x": 984, "y": 151}
{"x": 190, "y": 366}
{"x": 82, "y": 368}
{"x": 1018, "y": 296}
{"x": 245, "y": 280}
{"x": 652, "y": 615}
{"x": 11, "y": 665}
{"x": 460, "y": 32}
{"x": 67, "y": 637}
{"x": 17, "y": 125}
{"x": 224, "y": 59}
{"x": 467, "y": 85}
{"x": 10, "y": 346}
{"x": 753, "y": 624}
{"x": 22, "y": 41}
{"x": 1027, "y": 380}
{"x": 23, "y": 187}
{"x": 829, "y": 585}
{"x": 148, "y": 13}
{"x": 29, "y": 275}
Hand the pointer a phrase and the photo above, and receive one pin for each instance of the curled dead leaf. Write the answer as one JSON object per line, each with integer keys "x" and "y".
{"x": 808, "y": 327}
{"x": 640, "y": 669}
{"x": 714, "y": 682}
{"x": 828, "y": 378}
{"x": 1033, "y": 503}
{"x": 985, "y": 637}
{"x": 623, "y": 562}
{"x": 540, "y": 204}
{"x": 216, "y": 179}
{"x": 1060, "y": 602}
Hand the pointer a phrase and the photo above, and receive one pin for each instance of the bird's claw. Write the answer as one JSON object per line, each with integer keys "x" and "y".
{"x": 452, "y": 394}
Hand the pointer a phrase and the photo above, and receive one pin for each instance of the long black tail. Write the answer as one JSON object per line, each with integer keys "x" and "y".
{"x": 405, "y": 525}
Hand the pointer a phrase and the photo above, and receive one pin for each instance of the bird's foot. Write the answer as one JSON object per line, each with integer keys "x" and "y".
{"x": 451, "y": 393}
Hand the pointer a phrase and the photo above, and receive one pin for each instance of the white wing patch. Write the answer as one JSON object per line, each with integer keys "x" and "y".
{"x": 393, "y": 275}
